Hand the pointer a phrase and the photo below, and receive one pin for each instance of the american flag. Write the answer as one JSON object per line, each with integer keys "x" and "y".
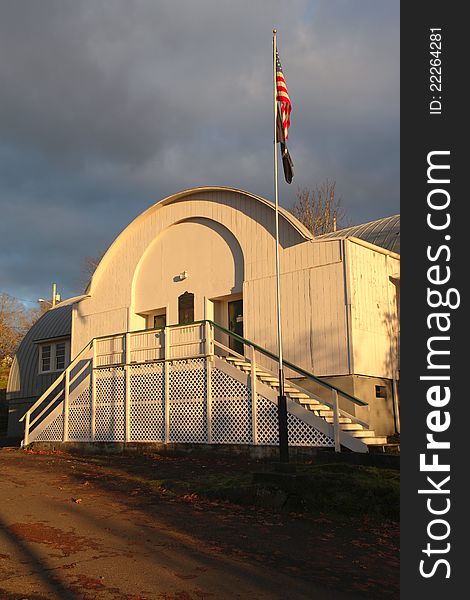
{"x": 282, "y": 96}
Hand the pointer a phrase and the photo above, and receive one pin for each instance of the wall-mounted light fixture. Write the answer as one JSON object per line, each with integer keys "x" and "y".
{"x": 183, "y": 275}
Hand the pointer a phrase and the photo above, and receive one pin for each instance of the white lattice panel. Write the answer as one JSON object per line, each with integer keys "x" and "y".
{"x": 109, "y": 424}
{"x": 188, "y": 421}
{"x": 300, "y": 433}
{"x": 231, "y": 410}
{"x": 147, "y": 383}
{"x": 188, "y": 414}
{"x": 147, "y": 409}
{"x": 303, "y": 434}
{"x": 188, "y": 380}
{"x": 80, "y": 417}
{"x": 53, "y": 432}
{"x": 147, "y": 422}
{"x": 266, "y": 421}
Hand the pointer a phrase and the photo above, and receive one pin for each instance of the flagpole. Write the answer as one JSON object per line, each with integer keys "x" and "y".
{"x": 282, "y": 402}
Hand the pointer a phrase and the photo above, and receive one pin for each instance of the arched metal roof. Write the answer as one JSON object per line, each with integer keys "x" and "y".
{"x": 383, "y": 232}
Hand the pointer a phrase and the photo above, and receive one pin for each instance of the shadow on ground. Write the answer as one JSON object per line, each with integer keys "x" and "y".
{"x": 121, "y": 507}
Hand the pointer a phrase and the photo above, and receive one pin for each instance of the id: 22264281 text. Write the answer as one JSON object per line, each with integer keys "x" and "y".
{"x": 435, "y": 70}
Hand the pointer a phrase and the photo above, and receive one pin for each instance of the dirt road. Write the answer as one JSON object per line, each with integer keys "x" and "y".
{"x": 71, "y": 528}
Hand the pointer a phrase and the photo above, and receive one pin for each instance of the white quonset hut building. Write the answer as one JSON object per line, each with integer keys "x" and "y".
{"x": 175, "y": 336}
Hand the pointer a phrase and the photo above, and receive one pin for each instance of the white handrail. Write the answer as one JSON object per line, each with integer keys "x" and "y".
{"x": 55, "y": 383}
{"x": 207, "y": 332}
{"x": 41, "y": 399}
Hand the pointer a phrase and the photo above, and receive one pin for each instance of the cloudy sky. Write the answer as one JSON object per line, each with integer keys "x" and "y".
{"x": 107, "y": 106}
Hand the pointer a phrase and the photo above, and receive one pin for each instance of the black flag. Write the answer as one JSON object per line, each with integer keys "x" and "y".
{"x": 287, "y": 163}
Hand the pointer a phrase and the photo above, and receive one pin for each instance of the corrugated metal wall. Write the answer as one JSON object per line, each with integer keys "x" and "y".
{"x": 24, "y": 380}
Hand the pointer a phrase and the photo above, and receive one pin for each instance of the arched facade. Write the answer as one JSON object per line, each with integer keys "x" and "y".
{"x": 209, "y": 253}
{"x": 221, "y": 237}
{"x": 198, "y": 256}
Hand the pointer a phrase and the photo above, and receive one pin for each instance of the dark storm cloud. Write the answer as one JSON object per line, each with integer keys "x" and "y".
{"x": 108, "y": 106}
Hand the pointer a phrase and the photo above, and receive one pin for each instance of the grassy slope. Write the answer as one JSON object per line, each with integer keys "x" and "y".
{"x": 335, "y": 489}
{"x": 342, "y": 489}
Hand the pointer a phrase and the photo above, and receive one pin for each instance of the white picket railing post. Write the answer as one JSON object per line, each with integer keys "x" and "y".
{"x": 167, "y": 384}
{"x": 207, "y": 337}
{"x": 127, "y": 388}
{"x": 65, "y": 435}
{"x": 208, "y": 359}
{"x": 26, "y": 430}
{"x": 93, "y": 392}
{"x": 254, "y": 396}
{"x": 334, "y": 394}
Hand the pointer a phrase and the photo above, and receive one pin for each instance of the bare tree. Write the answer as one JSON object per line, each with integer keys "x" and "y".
{"x": 15, "y": 320}
{"x": 319, "y": 209}
{"x": 90, "y": 264}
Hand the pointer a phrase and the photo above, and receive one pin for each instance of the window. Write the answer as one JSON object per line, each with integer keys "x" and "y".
{"x": 60, "y": 356}
{"x": 380, "y": 391}
{"x": 45, "y": 358}
{"x": 159, "y": 321}
{"x": 53, "y": 356}
{"x": 156, "y": 319}
{"x": 186, "y": 308}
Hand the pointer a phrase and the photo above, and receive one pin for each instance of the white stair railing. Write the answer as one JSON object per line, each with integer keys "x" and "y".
{"x": 202, "y": 339}
{"x": 250, "y": 357}
{"x": 56, "y": 393}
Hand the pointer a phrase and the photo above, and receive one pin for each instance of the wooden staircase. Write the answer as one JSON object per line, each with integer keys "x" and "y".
{"x": 311, "y": 402}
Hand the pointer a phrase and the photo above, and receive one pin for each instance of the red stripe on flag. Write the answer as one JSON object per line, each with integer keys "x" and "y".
{"x": 282, "y": 96}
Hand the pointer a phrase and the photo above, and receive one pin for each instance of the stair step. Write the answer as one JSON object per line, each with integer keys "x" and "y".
{"x": 343, "y": 421}
{"x": 247, "y": 369}
{"x": 326, "y": 412}
{"x": 315, "y": 411}
{"x": 364, "y": 433}
{"x": 287, "y": 388}
{"x": 298, "y": 395}
{"x": 236, "y": 361}
{"x": 350, "y": 427}
{"x": 376, "y": 441}
{"x": 313, "y": 408}
{"x": 246, "y": 366}
{"x": 311, "y": 402}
